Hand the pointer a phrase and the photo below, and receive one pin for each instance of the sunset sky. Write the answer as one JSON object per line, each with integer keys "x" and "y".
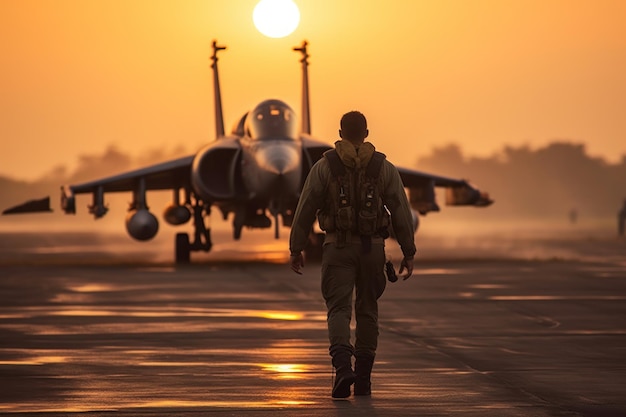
{"x": 78, "y": 76}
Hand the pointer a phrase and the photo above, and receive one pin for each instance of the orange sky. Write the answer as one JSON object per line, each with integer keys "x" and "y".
{"x": 78, "y": 76}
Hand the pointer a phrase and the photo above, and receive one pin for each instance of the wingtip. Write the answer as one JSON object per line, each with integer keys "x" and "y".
{"x": 41, "y": 205}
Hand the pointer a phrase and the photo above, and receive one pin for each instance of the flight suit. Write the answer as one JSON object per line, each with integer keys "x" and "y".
{"x": 344, "y": 270}
{"x": 345, "y": 266}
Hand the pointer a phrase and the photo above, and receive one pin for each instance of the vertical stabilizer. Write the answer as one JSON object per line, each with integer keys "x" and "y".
{"x": 306, "y": 115}
{"x": 219, "y": 118}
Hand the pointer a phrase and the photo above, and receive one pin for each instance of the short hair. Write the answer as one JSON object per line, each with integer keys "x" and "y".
{"x": 353, "y": 125}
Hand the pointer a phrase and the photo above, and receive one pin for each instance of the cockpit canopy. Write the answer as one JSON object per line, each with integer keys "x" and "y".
{"x": 271, "y": 119}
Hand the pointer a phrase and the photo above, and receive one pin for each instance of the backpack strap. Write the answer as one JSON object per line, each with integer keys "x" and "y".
{"x": 375, "y": 165}
{"x": 338, "y": 171}
{"x": 336, "y": 166}
{"x": 372, "y": 172}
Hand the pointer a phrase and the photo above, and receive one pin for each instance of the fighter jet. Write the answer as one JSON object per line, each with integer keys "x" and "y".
{"x": 255, "y": 172}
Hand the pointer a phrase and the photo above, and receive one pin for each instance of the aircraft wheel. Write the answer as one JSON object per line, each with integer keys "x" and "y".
{"x": 237, "y": 232}
{"x": 183, "y": 248}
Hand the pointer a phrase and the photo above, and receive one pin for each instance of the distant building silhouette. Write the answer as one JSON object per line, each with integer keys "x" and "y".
{"x": 573, "y": 216}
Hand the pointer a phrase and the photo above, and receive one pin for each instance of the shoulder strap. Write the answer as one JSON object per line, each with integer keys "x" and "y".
{"x": 336, "y": 166}
{"x": 338, "y": 169}
{"x": 375, "y": 165}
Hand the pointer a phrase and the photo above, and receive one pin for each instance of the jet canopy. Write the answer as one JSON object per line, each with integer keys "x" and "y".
{"x": 271, "y": 119}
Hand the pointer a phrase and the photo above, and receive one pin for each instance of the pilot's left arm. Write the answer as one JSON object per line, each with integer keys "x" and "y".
{"x": 394, "y": 197}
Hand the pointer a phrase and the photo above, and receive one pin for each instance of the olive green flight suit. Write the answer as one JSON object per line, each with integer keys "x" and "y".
{"x": 345, "y": 267}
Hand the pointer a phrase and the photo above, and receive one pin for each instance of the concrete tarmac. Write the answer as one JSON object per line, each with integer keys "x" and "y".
{"x": 460, "y": 338}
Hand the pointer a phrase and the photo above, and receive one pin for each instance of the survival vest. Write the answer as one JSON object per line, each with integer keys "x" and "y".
{"x": 354, "y": 202}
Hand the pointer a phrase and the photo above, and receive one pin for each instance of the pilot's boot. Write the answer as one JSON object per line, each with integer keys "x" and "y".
{"x": 344, "y": 376}
{"x": 363, "y": 369}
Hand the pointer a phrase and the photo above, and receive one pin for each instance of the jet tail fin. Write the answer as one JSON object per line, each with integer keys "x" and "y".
{"x": 306, "y": 112}
{"x": 32, "y": 206}
{"x": 219, "y": 118}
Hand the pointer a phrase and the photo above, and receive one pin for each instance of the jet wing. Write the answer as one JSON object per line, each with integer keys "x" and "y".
{"x": 313, "y": 149}
{"x": 163, "y": 176}
{"x": 421, "y": 186}
{"x": 31, "y": 206}
{"x": 166, "y": 175}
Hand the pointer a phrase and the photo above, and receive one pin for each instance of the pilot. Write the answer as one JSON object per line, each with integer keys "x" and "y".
{"x": 353, "y": 252}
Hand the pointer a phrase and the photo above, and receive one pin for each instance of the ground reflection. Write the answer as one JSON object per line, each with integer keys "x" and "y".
{"x": 33, "y": 360}
{"x": 156, "y": 312}
{"x": 488, "y": 286}
{"x": 437, "y": 271}
{"x": 284, "y": 370}
{"x": 176, "y": 378}
{"x": 556, "y": 297}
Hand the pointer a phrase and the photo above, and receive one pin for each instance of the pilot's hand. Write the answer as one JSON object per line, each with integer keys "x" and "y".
{"x": 297, "y": 263}
{"x": 406, "y": 264}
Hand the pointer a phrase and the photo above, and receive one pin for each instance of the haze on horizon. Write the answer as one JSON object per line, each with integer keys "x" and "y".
{"x": 78, "y": 77}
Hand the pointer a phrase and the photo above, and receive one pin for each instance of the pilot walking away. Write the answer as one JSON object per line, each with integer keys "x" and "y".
{"x": 350, "y": 190}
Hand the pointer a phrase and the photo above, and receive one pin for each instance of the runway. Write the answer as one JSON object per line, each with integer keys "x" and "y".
{"x": 482, "y": 337}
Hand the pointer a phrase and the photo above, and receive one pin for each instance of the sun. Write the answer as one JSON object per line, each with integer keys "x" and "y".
{"x": 276, "y": 18}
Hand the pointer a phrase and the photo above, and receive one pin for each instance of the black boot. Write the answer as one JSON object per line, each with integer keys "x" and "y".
{"x": 344, "y": 376}
{"x": 363, "y": 369}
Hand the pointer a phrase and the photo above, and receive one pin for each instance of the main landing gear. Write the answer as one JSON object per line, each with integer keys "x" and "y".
{"x": 202, "y": 235}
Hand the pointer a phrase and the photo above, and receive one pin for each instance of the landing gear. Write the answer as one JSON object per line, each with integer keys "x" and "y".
{"x": 250, "y": 217}
{"x": 238, "y": 222}
{"x": 202, "y": 235}
{"x": 182, "y": 248}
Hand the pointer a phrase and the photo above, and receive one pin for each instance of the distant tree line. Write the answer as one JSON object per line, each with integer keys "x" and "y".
{"x": 545, "y": 183}
{"x": 548, "y": 182}
{"x": 89, "y": 167}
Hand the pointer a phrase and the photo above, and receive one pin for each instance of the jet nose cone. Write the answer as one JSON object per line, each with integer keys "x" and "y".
{"x": 279, "y": 159}
{"x": 279, "y": 170}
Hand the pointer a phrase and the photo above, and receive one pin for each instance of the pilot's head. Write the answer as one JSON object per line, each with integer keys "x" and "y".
{"x": 353, "y": 127}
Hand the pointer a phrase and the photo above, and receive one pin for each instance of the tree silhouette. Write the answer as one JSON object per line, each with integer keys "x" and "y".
{"x": 545, "y": 183}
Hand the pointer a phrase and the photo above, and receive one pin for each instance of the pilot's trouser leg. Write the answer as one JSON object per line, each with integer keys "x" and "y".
{"x": 339, "y": 269}
{"x": 370, "y": 285}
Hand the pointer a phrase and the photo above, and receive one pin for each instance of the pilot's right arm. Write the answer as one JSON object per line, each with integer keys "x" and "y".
{"x": 311, "y": 200}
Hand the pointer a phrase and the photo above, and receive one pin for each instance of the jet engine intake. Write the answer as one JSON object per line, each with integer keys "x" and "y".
{"x": 141, "y": 224}
{"x": 214, "y": 170}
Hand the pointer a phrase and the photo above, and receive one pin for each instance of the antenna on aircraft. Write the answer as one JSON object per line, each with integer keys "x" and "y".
{"x": 219, "y": 118}
{"x": 306, "y": 116}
